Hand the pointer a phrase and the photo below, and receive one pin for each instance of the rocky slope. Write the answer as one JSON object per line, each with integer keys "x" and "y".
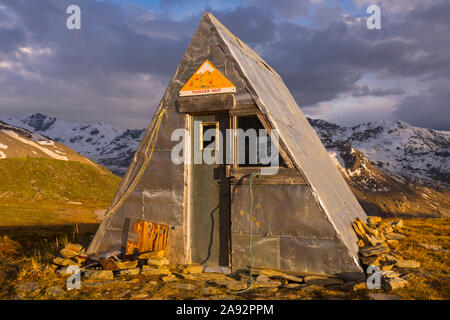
{"x": 396, "y": 147}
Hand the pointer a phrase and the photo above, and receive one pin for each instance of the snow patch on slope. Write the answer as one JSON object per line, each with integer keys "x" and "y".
{"x": 48, "y": 152}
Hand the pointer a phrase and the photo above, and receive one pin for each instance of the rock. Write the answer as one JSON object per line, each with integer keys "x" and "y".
{"x": 352, "y": 276}
{"x": 373, "y": 221}
{"x": 374, "y": 250}
{"x": 398, "y": 224}
{"x": 389, "y": 274}
{"x": 190, "y": 269}
{"x": 394, "y": 283}
{"x": 371, "y": 240}
{"x": 237, "y": 286}
{"x": 367, "y": 229}
{"x": 360, "y": 286}
{"x": 408, "y": 276}
{"x": 391, "y": 258}
{"x": 433, "y": 247}
{"x": 98, "y": 275}
{"x": 210, "y": 291}
{"x": 348, "y": 286}
{"x": 387, "y": 267}
{"x": 395, "y": 236}
{"x": 64, "y": 262}
{"x": 62, "y": 272}
{"x": 408, "y": 264}
{"x": 262, "y": 278}
{"x": 127, "y": 264}
{"x": 293, "y": 286}
{"x": 382, "y": 296}
{"x": 129, "y": 272}
{"x": 152, "y": 255}
{"x": 28, "y": 286}
{"x": 139, "y": 296}
{"x": 154, "y": 271}
{"x": 65, "y": 253}
{"x": 267, "y": 284}
{"x": 223, "y": 297}
{"x": 184, "y": 286}
{"x": 79, "y": 260}
{"x": 169, "y": 278}
{"x": 393, "y": 244}
{"x": 158, "y": 262}
{"x": 75, "y": 247}
{"x": 277, "y": 275}
{"x": 323, "y": 280}
{"x": 371, "y": 261}
{"x": 358, "y": 229}
{"x": 388, "y": 229}
{"x": 55, "y": 291}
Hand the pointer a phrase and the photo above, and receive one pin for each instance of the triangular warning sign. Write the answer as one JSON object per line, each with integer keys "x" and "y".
{"x": 207, "y": 80}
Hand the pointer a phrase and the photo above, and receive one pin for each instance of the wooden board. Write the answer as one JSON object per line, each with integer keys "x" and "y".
{"x": 151, "y": 237}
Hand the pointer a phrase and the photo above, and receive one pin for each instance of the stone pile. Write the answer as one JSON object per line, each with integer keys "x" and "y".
{"x": 148, "y": 264}
{"x": 378, "y": 244}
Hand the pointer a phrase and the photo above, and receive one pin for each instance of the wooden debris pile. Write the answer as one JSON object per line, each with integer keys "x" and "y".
{"x": 378, "y": 244}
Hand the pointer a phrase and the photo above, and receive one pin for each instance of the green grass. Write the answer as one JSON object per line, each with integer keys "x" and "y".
{"x": 37, "y": 179}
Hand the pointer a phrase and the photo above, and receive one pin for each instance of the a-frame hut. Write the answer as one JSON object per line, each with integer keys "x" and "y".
{"x": 199, "y": 212}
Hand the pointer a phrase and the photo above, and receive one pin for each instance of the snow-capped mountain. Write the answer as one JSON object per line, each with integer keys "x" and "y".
{"x": 396, "y": 148}
{"x": 108, "y": 145}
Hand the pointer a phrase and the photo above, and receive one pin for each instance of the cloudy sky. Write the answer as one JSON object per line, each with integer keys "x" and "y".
{"x": 117, "y": 66}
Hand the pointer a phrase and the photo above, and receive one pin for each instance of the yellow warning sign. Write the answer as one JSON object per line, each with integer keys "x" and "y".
{"x": 207, "y": 80}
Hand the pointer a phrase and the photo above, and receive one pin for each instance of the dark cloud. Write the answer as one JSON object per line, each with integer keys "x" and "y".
{"x": 430, "y": 109}
{"x": 365, "y": 90}
{"x": 253, "y": 25}
{"x": 11, "y": 39}
{"x": 285, "y": 8}
{"x": 116, "y": 68}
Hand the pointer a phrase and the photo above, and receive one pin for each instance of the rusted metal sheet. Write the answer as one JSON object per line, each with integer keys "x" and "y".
{"x": 175, "y": 250}
{"x": 315, "y": 255}
{"x": 266, "y": 251}
{"x": 280, "y": 210}
{"x": 163, "y": 206}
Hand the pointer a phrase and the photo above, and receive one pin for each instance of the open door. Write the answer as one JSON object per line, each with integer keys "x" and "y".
{"x": 210, "y": 188}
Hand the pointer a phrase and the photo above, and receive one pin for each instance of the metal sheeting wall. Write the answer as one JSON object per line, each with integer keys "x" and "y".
{"x": 304, "y": 146}
{"x": 290, "y": 231}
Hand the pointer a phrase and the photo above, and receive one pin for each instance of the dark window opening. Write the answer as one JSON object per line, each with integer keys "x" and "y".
{"x": 254, "y": 145}
{"x": 209, "y": 132}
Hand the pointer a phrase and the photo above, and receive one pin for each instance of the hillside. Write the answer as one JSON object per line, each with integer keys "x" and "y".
{"x": 385, "y": 193}
{"x": 25, "y": 179}
{"x": 35, "y": 168}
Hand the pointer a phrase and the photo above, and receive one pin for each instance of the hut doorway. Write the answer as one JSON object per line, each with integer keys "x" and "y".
{"x": 210, "y": 188}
